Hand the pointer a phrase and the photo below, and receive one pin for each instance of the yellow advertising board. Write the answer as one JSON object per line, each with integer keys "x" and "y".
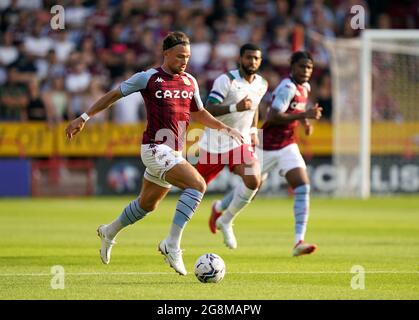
{"x": 26, "y": 140}
{"x": 115, "y": 140}
{"x": 103, "y": 139}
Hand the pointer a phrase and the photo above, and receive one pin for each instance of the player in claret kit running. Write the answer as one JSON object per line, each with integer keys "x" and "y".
{"x": 171, "y": 97}
{"x": 234, "y": 100}
{"x": 279, "y": 146}
{"x": 279, "y": 150}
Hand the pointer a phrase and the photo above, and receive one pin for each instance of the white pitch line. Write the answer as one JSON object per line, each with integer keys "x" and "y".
{"x": 171, "y": 273}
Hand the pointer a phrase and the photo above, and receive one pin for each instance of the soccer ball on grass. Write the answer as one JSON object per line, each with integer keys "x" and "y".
{"x": 210, "y": 268}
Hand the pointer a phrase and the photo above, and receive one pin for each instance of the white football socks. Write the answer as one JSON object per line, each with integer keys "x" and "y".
{"x": 174, "y": 237}
{"x": 242, "y": 197}
{"x": 113, "y": 228}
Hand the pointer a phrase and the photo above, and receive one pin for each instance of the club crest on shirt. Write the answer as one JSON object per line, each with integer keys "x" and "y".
{"x": 186, "y": 81}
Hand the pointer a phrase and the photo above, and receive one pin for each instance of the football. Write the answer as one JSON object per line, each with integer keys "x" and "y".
{"x": 210, "y": 268}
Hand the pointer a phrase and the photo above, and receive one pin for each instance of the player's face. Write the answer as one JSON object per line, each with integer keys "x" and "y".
{"x": 177, "y": 58}
{"x": 250, "y": 61}
{"x": 302, "y": 70}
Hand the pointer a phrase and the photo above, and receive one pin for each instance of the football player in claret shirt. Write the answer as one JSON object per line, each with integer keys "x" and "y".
{"x": 234, "y": 99}
{"x": 278, "y": 149}
{"x": 171, "y": 97}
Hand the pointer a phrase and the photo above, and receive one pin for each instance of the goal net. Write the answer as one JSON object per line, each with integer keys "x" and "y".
{"x": 375, "y": 113}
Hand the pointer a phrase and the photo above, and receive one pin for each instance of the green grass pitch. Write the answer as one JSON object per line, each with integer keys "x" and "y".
{"x": 380, "y": 234}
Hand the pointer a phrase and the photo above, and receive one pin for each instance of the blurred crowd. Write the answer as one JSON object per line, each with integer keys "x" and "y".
{"x": 55, "y": 75}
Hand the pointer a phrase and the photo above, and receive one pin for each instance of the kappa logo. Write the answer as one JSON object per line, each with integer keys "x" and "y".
{"x": 159, "y": 80}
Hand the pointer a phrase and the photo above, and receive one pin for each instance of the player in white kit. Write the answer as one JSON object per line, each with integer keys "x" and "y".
{"x": 234, "y": 100}
{"x": 279, "y": 151}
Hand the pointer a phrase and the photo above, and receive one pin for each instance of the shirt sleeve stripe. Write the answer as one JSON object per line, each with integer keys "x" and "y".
{"x": 218, "y": 94}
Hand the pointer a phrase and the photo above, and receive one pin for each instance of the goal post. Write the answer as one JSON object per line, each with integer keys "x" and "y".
{"x": 373, "y": 40}
{"x": 371, "y": 75}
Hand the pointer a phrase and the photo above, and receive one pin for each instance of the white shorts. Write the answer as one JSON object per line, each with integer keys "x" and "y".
{"x": 284, "y": 159}
{"x": 158, "y": 159}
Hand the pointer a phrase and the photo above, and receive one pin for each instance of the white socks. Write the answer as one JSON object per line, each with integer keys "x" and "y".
{"x": 242, "y": 197}
{"x": 113, "y": 228}
{"x": 174, "y": 237}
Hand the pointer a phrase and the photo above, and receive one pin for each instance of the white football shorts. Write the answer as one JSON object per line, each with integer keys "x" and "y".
{"x": 284, "y": 159}
{"x": 158, "y": 159}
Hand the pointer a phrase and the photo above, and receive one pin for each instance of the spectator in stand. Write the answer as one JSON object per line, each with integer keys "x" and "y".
{"x": 8, "y": 50}
{"x": 258, "y": 36}
{"x": 30, "y": 4}
{"x": 278, "y": 17}
{"x": 247, "y": 26}
{"x": 113, "y": 54}
{"x": 310, "y": 15}
{"x": 219, "y": 11}
{"x": 14, "y": 98}
{"x": 128, "y": 109}
{"x": 76, "y": 83}
{"x": 280, "y": 49}
{"x": 324, "y": 95}
{"x": 163, "y": 27}
{"x": 101, "y": 16}
{"x": 57, "y": 101}
{"x": 76, "y": 14}
{"x": 87, "y": 51}
{"x": 144, "y": 46}
{"x": 9, "y": 17}
{"x": 226, "y": 49}
{"x": 262, "y": 8}
{"x": 213, "y": 68}
{"x": 200, "y": 49}
{"x": 123, "y": 12}
{"x": 38, "y": 44}
{"x": 93, "y": 94}
{"x": 36, "y": 109}
{"x": 62, "y": 45}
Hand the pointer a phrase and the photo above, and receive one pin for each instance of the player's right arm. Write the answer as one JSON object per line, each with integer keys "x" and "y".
{"x": 215, "y": 103}
{"x": 104, "y": 102}
{"x": 135, "y": 83}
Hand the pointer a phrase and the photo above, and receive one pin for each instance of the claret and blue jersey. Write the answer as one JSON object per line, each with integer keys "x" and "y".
{"x": 288, "y": 97}
{"x": 169, "y": 100}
